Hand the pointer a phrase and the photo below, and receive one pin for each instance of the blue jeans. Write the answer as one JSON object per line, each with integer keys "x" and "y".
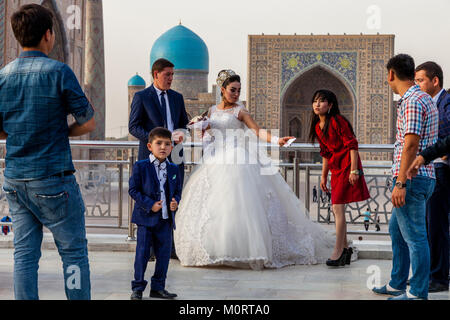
{"x": 408, "y": 231}
{"x": 57, "y": 204}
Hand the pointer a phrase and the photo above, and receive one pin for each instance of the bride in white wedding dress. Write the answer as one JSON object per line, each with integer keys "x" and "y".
{"x": 233, "y": 214}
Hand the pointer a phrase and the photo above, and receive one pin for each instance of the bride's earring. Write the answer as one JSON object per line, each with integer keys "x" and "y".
{"x": 329, "y": 111}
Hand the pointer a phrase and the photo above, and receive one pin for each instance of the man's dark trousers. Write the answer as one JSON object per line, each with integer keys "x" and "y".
{"x": 438, "y": 207}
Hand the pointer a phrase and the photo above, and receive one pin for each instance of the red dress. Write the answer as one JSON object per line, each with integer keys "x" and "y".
{"x": 336, "y": 148}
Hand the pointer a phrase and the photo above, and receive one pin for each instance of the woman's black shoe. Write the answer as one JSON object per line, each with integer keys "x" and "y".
{"x": 349, "y": 253}
{"x": 339, "y": 262}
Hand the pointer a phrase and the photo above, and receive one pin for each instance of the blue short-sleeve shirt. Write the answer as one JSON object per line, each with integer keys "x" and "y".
{"x": 36, "y": 96}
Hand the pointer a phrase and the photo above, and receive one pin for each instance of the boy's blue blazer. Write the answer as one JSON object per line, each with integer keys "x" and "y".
{"x": 144, "y": 189}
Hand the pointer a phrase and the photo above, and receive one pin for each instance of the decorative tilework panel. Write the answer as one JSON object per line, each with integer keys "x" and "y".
{"x": 343, "y": 62}
{"x": 2, "y": 31}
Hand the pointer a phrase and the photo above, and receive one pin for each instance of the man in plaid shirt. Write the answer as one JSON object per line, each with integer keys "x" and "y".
{"x": 417, "y": 129}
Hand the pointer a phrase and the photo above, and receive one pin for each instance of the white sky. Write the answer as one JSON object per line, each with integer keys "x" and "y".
{"x": 422, "y": 29}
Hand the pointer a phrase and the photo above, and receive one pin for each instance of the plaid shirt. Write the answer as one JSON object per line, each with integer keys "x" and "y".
{"x": 37, "y": 94}
{"x": 416, "y": 114}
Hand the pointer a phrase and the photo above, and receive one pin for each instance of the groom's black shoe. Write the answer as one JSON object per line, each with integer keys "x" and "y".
{"x": 136, "y": 295}
{"x": 162, "y": 294}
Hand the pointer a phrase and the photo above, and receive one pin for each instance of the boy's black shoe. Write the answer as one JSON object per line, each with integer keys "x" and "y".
{"x": 136, "y": 295}
{"x": 162, "y": 294}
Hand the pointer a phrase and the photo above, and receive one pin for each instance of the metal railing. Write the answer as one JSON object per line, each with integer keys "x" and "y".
{"x": 288, "y": 170}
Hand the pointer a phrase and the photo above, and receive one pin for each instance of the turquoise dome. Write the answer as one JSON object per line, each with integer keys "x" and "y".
{"x": 137, "y": 80}
{"x": 183, "y": 48}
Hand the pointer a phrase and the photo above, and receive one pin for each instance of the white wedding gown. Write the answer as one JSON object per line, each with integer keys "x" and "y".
{"x": 231, "y": 214}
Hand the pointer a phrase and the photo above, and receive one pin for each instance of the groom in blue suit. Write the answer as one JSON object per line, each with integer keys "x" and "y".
{"x": 158, "y": 106}
{"x": 155, "y": 185}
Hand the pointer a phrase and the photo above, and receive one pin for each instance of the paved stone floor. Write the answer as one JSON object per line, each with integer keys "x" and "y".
{"x": 111, "y": 273}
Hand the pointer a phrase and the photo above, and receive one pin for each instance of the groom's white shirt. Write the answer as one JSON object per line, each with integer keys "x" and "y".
{"x": 162, "y": 177}
{"x": 169, "y": 121}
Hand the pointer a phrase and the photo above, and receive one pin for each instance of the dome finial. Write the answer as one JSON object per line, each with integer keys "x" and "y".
{"x": 180, "y": 22}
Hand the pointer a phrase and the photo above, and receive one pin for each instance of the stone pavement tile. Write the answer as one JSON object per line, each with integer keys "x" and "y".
{"x": 111, "y": 274}
{"x": 267, "y": 284}
{"x": 439, "y": 296}
{"x": 118, "y": 296}
{"x": 6, "y": 294}
{"x": 215, "y": 283}
{"x": 222, "y": 293}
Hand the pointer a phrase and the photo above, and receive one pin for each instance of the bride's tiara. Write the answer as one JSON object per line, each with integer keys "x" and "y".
{"x": 223, "y": 76}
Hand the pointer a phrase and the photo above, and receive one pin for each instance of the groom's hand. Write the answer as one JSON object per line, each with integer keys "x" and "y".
{"x": 178, "y": 137}
{"x": 173, "y": 205}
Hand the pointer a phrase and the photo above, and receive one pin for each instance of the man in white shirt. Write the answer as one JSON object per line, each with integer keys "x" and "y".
{"x": 429, "y": 77}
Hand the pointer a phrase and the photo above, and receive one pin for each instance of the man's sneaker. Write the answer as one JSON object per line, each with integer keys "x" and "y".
{"x": 405, "y": 297}
{"x": 384, "y": 290}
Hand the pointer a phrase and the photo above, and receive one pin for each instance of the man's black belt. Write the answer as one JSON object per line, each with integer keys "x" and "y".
{"x": 63, "y": 174}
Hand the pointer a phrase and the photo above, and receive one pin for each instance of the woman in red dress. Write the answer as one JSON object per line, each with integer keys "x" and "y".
{"x": 339, "y": 151}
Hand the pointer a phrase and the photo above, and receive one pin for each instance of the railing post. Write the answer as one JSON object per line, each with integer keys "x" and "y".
{"x": 296, "y": 175}
{"x": 131, "y": 236}
{"x": 120, "y": 216}
{"x": 307, "y": 186}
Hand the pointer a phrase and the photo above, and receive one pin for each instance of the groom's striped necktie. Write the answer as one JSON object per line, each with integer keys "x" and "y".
{"x": 164, "y": 107}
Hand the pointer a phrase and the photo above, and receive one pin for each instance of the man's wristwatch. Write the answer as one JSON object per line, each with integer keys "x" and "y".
{"x": 400, "y": 185}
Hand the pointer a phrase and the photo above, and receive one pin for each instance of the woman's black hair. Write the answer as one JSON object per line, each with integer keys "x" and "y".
{"x": 331, "y": 98}
{"x": 234, "y": 78}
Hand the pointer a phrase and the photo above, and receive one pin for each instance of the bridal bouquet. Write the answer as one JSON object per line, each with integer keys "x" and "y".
{"x": 200, "y": 122}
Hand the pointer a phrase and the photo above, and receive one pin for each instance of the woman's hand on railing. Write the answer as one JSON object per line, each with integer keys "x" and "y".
{"x": 323, "y": 184}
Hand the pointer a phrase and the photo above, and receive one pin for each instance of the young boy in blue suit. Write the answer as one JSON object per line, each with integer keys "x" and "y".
{"x": 155, "y": 186}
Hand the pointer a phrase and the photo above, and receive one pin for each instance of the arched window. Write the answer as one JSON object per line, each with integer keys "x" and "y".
{"x": 295, "y": 128}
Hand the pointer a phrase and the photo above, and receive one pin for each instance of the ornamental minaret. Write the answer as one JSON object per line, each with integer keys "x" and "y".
{"x": 95, "y": 65}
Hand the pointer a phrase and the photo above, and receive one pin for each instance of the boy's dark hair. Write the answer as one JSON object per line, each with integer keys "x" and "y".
{"x": 159, "y": 132}
{"x": 30, "y": 23}
{"x": 160, "y": 64}
{"x": 403, "y": 66}
{"x": 432, "y": 69}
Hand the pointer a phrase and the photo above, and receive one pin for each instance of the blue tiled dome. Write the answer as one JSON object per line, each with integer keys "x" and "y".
{"x": 137, "y": 80}
{"x": 183, "y": 48}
